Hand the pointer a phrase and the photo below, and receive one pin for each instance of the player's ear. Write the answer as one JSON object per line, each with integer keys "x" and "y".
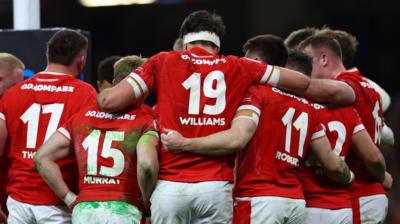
{"x": 323, "y": 59}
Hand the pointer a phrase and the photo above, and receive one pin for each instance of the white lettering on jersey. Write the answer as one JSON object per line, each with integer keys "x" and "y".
{"x": 300, "y": 99}
{"x": 287, "y": 158}
{"x": 100, "y": 114}
{"x": 198, "y": 61}
{"x": 100, "y": 180}
{"x": 202, "y": 121}
{"x": 28, "y": 154}
{"x": 47, "y": 88}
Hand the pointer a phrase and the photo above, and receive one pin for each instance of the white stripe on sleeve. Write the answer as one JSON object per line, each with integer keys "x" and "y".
{"x": 317, "y": 134}
{"x": 64, "y": 132}
{"x": 358, "y": 128}
{"x": 140, "y": 81}
{"x": 2, "y": 116}
{"x": 249, "y": 107}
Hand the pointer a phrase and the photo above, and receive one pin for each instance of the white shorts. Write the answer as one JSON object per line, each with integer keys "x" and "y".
{"x": 23, "y": 213}
{"x": 277, "y": 210}
{"x": 329, "y": 216}
{"x": 202, "y": 202}
{"x": 370, "y": 209}
{"x": 106, "y": 212}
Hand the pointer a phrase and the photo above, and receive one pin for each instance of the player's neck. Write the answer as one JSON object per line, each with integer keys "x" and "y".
{"x": 206, "y": 48}
{"x": 57, "y": 68}
{"x": 336, "y": 70}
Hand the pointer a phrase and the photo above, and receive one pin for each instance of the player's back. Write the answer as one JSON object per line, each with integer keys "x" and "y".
{"x": 105, "y": 148}
{"x": 198, "y": 94}
{"x": 369, "y": 107}
{"x": 320, "y": 192}
{"x": 34, "y": 109}
{"x": 270, "y": 163}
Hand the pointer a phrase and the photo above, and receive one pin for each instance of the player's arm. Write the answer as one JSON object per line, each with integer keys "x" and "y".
{"x": 147, "y": 163}
{"x": 330, "y": 91}
{"x": 370, "y": 154}
{"x": 55, "y": 148}
{"x": 385, "y": 97}
{"x": 3, "y": 217}
{"x": 334, "y": 167}
{"x": 219, "y": 144}
{"x": 118, "y": 97}
{"x": 3, "y": 135}
{"x": 288, "y": 79}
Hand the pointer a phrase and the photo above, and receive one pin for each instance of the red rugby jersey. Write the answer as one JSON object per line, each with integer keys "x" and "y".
{"x": 270, "y": 163}
{"x": 369, "y": 107}
{"x": 319, "y": 191}
{"x": 34, "y": 109}
{"x": 105, "y": 150}
{"x": 197, "y": 95}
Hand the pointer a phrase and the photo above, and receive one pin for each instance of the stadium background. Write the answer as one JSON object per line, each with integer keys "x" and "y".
{"x": 149, "y": 29}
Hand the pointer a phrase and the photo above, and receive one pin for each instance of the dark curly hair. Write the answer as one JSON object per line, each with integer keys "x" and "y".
{"x": 64, "y": 46}
{"x": 271, "y": 49}
{"x": 202, "y": 21}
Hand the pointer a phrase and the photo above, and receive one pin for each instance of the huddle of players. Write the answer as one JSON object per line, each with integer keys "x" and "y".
{"x": 115, "y": 142}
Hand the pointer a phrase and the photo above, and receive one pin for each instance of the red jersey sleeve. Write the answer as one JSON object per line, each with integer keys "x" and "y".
{"x": 252, "y": 100}
{"x": 318, "y": 130}
{"x": 357, "y": 123}
{"x": 66, "y": 128}
{"x": 260, "y": 72}
{"x": 142, "y": 79}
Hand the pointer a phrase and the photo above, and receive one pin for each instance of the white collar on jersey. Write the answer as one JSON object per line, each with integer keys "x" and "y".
{"x": 202, "y": 35}
{"x": 52, "y": 73}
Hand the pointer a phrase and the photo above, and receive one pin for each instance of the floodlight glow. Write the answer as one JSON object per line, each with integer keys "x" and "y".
{"x": 99, "y": 3}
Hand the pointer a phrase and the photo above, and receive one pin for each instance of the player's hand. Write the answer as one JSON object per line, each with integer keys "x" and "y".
{"x": 3, "y": 217}
{"x": 388, "y": 181}
{"x": 173, "y": 140}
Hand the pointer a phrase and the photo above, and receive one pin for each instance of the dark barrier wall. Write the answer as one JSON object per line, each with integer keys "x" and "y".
{"x": 30, "y": 47}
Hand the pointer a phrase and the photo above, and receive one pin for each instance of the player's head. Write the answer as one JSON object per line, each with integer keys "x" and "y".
{"x": 299, "y": 61}
{"x": 68, "y": 48}
{"x": 326, "y": 55}
{"x": 203, "y": 29}
{"x": 267, "y": 48}
{"x": 11, "y": 71}
{"x": 178, "y": 45}
{"x": 105, "y": 72}
{"x": 296, "y": 37}
{"x": 124, "y": 66}
{"x": 348, "y": 44}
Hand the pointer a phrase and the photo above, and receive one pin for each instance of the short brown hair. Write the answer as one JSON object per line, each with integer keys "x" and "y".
{"x": 322, "y": 41}
{"x": 296, "y": 37}
{"x": 10, "y": 61}
{"x": 64, "y": 46}
{"x": 348, "y": 44}
{"x": 124, "y": 66}
{"x": 299, "y": 61}
{"x": 271, "y": 49}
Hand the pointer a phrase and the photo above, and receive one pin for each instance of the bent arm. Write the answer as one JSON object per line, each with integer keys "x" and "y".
{"x": 218, "y": 144}
{"x": 292, "y": 80}
{"x": 147, "y": 163}
{"x": 118, "y": 97}
{"x": 370, "y": 154}
{"x": 335, "y": 168}
{"x": 55, "y": 148}
{"x": 330, "y": 91}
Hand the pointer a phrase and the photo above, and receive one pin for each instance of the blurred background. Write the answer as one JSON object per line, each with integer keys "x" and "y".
{"x": 146, "y": 29}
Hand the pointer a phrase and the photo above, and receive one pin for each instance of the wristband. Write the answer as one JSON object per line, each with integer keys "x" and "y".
{"x": 69, "y": 198}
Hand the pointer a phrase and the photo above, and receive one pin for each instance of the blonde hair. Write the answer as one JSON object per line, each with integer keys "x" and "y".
{"x": 10, "y": 61}
{"x": 124, "y": 66}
